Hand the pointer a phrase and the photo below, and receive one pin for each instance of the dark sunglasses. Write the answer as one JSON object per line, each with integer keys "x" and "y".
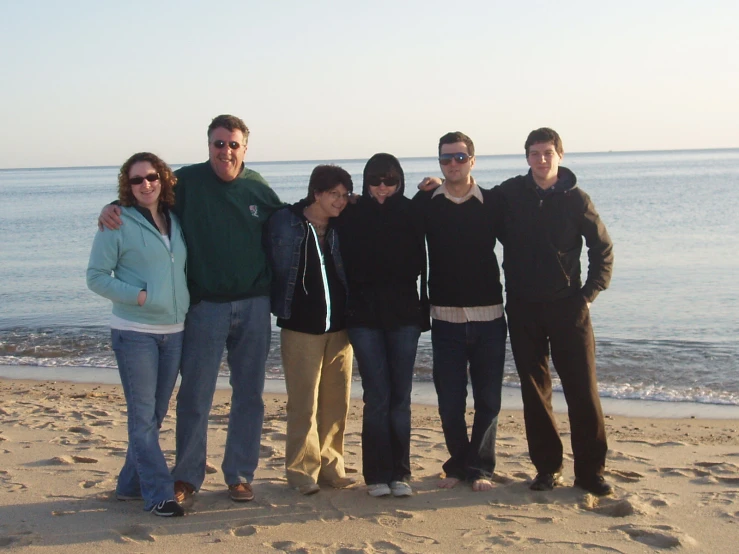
{"x": 233, "y": 145}
{"x": 376, "y": 181}
{"x": 151, "y": 177}
{"x": 459, "y": 157}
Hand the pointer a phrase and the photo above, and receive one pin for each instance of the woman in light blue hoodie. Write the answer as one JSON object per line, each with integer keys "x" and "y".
{"x": 141, "y": 269}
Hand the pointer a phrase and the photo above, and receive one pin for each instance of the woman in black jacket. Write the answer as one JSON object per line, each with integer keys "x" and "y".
{"x": 382, "y": 246}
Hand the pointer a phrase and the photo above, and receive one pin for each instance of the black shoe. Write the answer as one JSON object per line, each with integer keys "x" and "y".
{"x": 546, "y": 481}
{"x": 596, "y": 485}
{"x": 168, "y": 508}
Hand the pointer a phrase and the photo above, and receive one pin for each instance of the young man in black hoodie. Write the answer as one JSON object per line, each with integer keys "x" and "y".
{"x": 543, "y": 217}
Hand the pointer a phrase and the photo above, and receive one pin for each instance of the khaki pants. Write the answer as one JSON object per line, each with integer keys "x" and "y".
{"x": 318, "y": 370}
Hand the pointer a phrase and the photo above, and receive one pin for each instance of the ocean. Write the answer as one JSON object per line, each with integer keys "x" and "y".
{"x": 667, "y": 329}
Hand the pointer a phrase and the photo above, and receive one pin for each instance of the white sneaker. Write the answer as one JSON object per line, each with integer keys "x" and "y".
{"x": 401, "y": 488}
{"x": 378, "y": 489}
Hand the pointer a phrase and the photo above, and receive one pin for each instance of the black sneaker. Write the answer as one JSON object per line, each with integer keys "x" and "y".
{"x": 168, "y": 508}
{"x": 596, "y": 485}
{"x": 546, "y": 481}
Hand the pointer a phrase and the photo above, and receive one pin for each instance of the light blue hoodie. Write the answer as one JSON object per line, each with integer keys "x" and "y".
{"x": 138, "y": 258}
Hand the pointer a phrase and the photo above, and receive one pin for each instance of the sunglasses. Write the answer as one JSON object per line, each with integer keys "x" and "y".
{"x": 376, "y": 181}
{"x": 151, "y": 177}
{"x": 459, "y": 157}
{"x": 233, "y": 145}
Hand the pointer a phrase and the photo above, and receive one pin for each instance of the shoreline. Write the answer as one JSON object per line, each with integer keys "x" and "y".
{"x": 423, "y": 394}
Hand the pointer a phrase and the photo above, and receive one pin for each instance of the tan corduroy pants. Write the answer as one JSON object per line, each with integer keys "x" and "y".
{"x": 318, "y": 371}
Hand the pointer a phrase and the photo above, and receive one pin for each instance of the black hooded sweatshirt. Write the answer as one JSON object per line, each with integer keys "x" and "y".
{"x": 383, "y": 250}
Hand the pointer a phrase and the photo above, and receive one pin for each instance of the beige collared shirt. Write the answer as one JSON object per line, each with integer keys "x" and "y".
{"x": 454, "y": 314}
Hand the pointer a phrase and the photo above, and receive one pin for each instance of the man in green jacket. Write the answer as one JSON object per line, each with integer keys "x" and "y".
{"x": 222, "y": 206}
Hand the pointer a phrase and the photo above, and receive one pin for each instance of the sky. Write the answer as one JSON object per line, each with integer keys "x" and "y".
{"x": 91, "y": 82}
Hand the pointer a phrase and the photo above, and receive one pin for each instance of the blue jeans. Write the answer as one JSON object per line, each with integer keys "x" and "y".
{"x": 482, "y": 345}
{"x": 243, "y": 328}
{"x": 386, "y": 359}
{"x": 148, "y": 364}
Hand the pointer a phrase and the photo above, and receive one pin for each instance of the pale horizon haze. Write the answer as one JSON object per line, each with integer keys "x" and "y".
{"x": 88, "y": 83}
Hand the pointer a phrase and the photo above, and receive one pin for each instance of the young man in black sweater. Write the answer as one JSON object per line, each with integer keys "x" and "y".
{"x": 468, "y": 324}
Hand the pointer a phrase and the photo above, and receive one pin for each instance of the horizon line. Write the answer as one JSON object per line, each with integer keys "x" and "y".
{"x": 360, "y": 159}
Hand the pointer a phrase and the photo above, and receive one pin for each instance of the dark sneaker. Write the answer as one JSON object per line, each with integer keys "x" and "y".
{"x": 546, "y": 481}
{"x": 183, "y": 491}
{"x": 596, "y": 485}
{"x": 168, "y": 508}
{"x": 241, "y": 492}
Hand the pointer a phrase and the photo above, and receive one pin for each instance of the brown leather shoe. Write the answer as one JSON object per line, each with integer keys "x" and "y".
{"x": 241, "y": 492}
{"x": 183, "y": 491}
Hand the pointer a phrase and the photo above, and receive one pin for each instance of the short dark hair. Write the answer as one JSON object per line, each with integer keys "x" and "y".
{"x": 326, "y": 177}
{"x": 457, "y": 136}
{"x": 230, "y": 122}
{"x": 167, "y": 180}
{"x": 544, "y": 134}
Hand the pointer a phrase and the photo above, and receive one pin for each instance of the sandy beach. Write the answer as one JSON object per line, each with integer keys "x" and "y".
{"x": 62, "y": 444}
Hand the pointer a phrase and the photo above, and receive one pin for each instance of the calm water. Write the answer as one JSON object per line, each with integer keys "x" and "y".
{"x": 667, "y": 329}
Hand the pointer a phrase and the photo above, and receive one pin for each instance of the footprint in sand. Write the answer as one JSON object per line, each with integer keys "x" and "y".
{"x": 137, "y": 533}
{"x": 84, "y": 460}
{"x": 244, "y": 531}
{"x": 393, "y": 521}
{"x": 624, "y": 476}
{"x": 415, "y": 539}
{"x": 727, "y": 498}
{"x": 675, "y": 471}
{"x": 292, "y": 546}
{"x": 23, "y": 538}
{"x": 386, "y": 546}
{"x": 621, "y": 507}
{"x": 521, "y": 520}
{"x": 80, "y": 430}
{"x": 658, "y": 536}
{"x": 615, "y": 455}
{"x": 89, "y": 484}
{"x": 485, "y": 539}
{"x": 733, "y": 516}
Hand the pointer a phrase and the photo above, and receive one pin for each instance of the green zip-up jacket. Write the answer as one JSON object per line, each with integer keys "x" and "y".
{"x": 222, "y": 222}
{"x": 139, "y": 259}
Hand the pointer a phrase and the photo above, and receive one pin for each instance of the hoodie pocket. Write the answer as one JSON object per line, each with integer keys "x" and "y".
{"x": 155, "y": 303}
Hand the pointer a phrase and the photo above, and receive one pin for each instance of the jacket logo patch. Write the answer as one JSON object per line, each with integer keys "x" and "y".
{"x": 254, "y": 210}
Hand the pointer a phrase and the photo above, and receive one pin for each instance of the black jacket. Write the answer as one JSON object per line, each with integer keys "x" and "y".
{"x": 383, "y": 250}
{"x": 542, "y": 240}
